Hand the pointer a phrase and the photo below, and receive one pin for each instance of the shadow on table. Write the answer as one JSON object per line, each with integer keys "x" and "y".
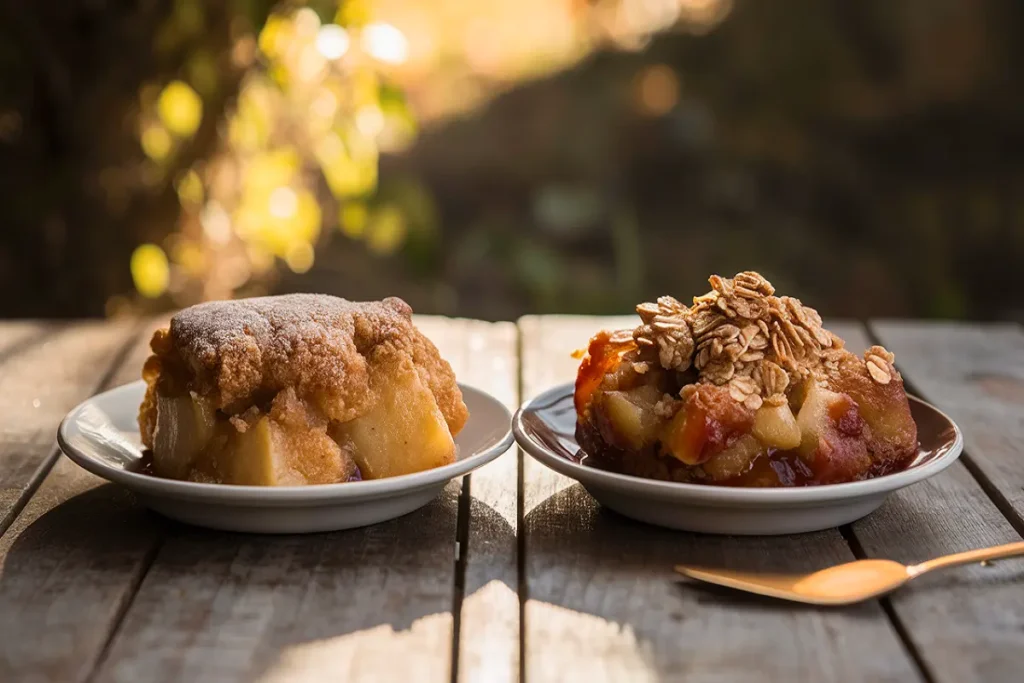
{"x": 230, "y": 606}
{"x": 64, "y": 578}
{"x": 592, "y": 571}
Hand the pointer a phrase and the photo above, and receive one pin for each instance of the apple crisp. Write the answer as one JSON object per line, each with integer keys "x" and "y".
{"x": 742, "y": 388}
{"x": 297, "y": 389}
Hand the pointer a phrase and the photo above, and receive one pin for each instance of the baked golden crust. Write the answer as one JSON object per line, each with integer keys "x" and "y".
{"x": 240, "y": 355}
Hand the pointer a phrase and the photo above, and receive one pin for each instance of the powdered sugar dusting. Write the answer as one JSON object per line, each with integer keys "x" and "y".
{"x": 244, "y": 352}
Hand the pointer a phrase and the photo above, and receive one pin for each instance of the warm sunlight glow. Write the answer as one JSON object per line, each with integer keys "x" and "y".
{"x": 557, "y": 631}
{"x": 332, "y": 41}
{"x": 283, "y": 202}
{"x": 319, "y": 93}
{"x": 424, "y": 647}
{"x": 370, "y": 121}
{"x": 216, "y": 223}
{"x": 386, "y": 43}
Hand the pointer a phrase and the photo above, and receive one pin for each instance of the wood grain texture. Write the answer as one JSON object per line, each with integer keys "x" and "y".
{"x": 17, "y": 334}
{"x": 485, "y": 355}
{"x": 604, "y": 605}
{"x": 974, "y": 372}
{"x": 38, "y": 385}
{"x": 68, "y": 561}
{"x": 367, "y": 604}
{"x": 966, "y": 624}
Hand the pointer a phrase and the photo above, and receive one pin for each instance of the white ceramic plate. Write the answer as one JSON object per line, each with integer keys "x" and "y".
{"x": 102, "y": 436}
{"x": 545, "y": 428}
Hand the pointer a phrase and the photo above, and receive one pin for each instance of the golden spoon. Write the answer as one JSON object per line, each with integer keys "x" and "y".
{"x": 843, "y": 584}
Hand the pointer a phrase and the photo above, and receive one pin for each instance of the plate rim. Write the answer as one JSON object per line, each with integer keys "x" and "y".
{"x": 312, "y": 494}
{"x": 713, "y": 494}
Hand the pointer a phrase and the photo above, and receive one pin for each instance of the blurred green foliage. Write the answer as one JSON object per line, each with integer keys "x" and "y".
{"x": 864, "y": 156}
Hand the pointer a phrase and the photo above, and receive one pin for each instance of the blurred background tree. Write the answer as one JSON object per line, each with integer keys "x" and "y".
{"x": 508, "y": 156}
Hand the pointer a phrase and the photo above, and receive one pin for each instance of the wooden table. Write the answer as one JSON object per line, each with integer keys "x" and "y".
{"x": 515, "y": 572}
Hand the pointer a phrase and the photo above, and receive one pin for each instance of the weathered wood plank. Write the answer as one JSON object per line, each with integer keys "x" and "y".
{"x": 38, "y": 385}
{"x": 65, "y": 561}
{"x": 332, "y": 606}
{"x": 975, "y": 373}
{"x": 18, "y": 334}
{"x": 367, "y": 604}
{"x": 603, "y": 603}
{"x": 965, "y": 624}
{"x": 485, "y": 355}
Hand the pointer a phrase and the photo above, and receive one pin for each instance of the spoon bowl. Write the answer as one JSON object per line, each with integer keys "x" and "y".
{"x": 840, "y": 585}
{"x": 843, "y": 584}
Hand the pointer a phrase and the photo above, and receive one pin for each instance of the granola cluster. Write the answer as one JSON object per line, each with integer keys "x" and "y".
{"x": 742, "y": 336}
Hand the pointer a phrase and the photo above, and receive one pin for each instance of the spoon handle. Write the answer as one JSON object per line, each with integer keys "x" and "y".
{"x": 969, "y": 557}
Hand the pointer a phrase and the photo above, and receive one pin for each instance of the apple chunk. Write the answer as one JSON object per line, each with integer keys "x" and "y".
{"x": 734, "y": 460}
{"x": 776, "y": 427}
{"x": 832, "y": 441}
{"x": 269, "y": 453}
{"x": 631, "y": 415}
{"x": 191, "y": 443}
{"x": 707, "y": 423}
{"x": 255, "y": 457}
{"x": 404, "y": 431}
{"x": 183, "y": 427}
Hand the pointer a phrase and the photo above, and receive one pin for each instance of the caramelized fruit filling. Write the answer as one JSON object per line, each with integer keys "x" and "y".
{"x": 741, "y": 389}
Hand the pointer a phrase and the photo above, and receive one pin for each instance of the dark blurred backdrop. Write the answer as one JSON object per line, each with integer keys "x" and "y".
{"x": 495, "y": 158}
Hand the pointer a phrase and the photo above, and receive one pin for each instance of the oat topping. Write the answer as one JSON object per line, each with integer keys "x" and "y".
{"x": 665, "y": 332}
{"x": 742, "y": 336}
{"x": 879, "y": 361}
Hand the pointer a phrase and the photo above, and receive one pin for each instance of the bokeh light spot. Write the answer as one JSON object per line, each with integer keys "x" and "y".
{"x": 332, "y": 41}
{"x": 150, "y": 270}
{"x": 657, "y": 90}
{"x": 216, "y": 223}
{"x": 300, "y": 257}
{"x": 274, "y": 37}
{"x": 386, "y": 230}
{"x": 180, "y": 108}
{"x": 283, "y": 202}
{"x": 370, "y": 121}
{"x": 307, "y": 22}
{"x": 352, "y": 219}
{"x": 156, "y": 142}
{"x": 190, "y": 188}
{"x": 385, "y": 43}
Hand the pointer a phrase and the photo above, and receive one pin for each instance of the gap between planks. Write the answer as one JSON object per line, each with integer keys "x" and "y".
{"x": 601, "y": 603}
{"x": 948, "y": 513}
{"x": 486, "y": 647}
{"x": 34, "y": 550}
{"x": 976, "y": 372}
{"x": 857, "y": 337}
{"x": 44, "y": 467}
{"x": 998, "y": 498}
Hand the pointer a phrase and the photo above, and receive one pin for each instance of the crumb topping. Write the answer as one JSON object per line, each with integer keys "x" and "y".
{"x": 323, "y": 348}
{"x": 741, "y": 336}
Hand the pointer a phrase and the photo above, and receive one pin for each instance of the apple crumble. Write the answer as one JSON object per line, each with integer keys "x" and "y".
{"x": 743, "y": 388}
{"x": 297, "y": 389}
